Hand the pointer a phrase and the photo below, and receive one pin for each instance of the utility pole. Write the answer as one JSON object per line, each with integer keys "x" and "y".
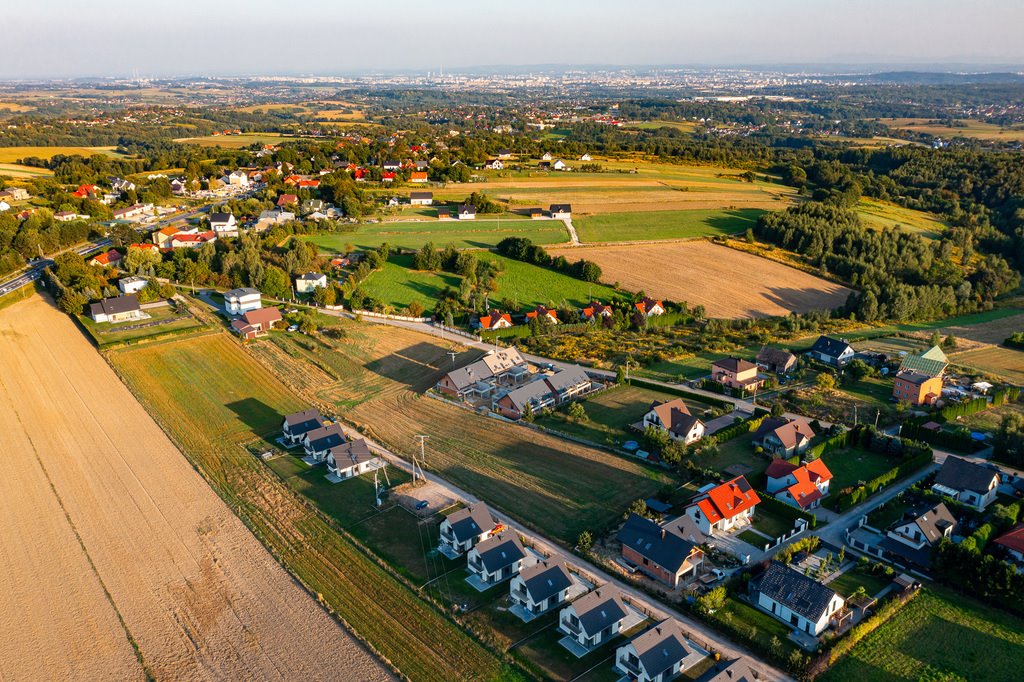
{"x": 453, "y": 354}
{"x": 422, "y": 460}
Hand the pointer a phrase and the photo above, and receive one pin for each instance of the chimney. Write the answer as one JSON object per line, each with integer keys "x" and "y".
{"x": 662, "y": 533}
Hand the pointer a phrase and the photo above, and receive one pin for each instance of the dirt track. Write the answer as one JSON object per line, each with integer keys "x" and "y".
{"x": 108, "y": 534}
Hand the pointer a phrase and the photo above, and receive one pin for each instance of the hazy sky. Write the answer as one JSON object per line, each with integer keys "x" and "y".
{"x": 223, "y": 37}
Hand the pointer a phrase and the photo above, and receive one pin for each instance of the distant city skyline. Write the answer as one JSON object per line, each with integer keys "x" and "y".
{"x": 57, "y": 39}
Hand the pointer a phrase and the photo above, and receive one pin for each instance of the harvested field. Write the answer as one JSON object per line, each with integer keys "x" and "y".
{"x": 1003, "y": 362}
{"x": 17, "y": 171}
{"x": 213, "y": 398}
{"x": 12, "y": 154}
{"x": 111, "y": 538}
{"x": 727, "y": 282}
{"x": 980, "y": 130}
{"x": 992, "y": 331}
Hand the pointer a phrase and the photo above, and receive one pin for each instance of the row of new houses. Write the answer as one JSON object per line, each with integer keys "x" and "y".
{"x": 325, "y": 441}
{"x": 496, "y": 319}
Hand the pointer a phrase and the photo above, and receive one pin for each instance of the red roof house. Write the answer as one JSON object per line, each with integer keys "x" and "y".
{"x": 286, "y": 199}
{"x": 724, "y": 507}
{"x": 802, "y": 486}
{"x": 108, "y": 259}
{"x": 495, "y": 320}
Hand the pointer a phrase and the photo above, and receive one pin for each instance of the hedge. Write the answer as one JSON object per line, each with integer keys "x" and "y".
{"x": 907, "y": 466}
{"x": 789, "y": 511}
{"x": 955, "y": 440}
{"x": 739, "y": 428}
{"x": 836, "y": 442}
{"x": 681, "y": 392}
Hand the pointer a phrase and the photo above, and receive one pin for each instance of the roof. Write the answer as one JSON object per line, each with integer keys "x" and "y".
{"x": 542, "y": 311}
{"x": 775, "y": 356}
{"x": 661, "y": 647}
{"x": 528, "y": 393}
{"x": 799, "y": 593}
{"x": 931, "y": 363}
{"x": 805, "y": 489}
{"x": 471, "y": 521}
{"x": 326, "y": 437}
{"x": 301, "y": 422}
{"x": 599, "y": 608}
{"x": 492, "y": 364}
{"x": 596, "y": 308}
{"x": 467, "y": 208}
{"x": 934, "y": 521}
{"x": 734, "y": 365}
{"x": 914, "y": 377}
{"x": 493, "y": 317}
{"x": 660, "y": 545}
{"x": 546, "y": 578}
{"x": 737, "y": 671}
{"x": 499, "y": 551}
{"x": 244, "y": 291}
{"x": 264, "y": 317}
{"x": 115, "y": 305}
{"x": 311, "y": 276}
{"x": 833, "y": 348}
{"x": 1012, "y": 539}
{"x": 421, "y": 195}
{"x": 675, "y": 416}
{"x": 789, "y": 431}
{"x": 351, "y": 454}
{"x": 728, "y": 499}
{"x": 960, "y": 474}
{"x": 567, "y": 378}
{"x": 561, "y": 208}
{"x": 220, "y": 217}
{"x": 647, "y": 304}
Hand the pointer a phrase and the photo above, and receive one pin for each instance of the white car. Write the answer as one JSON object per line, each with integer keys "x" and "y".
{"x": 293, "y": 328}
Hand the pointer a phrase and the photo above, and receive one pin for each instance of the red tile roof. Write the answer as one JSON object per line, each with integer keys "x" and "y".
{"x": 1013, "y": 539}
{"x": 728, "y": 500}
{"x": 488, "y": 321}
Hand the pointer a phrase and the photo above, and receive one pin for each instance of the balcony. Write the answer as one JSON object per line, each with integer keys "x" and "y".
{"x": 630, "y": 667}
{"x": 567, "y": 626}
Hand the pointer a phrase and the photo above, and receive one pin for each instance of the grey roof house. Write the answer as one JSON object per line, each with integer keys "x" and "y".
{"x": 465, "y": 528}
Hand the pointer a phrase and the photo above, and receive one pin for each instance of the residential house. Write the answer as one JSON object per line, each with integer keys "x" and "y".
{"x": 736, "y": 373}
{"x": 298, "y": 424}
{"x": 724, "y": 507}
{"x": 541, "y": 587}
{"x": 559, "y": 165}
{"x": 319, "y": 441}
{"x": 505, "y": 366}
{"x": 65, "y": 216}
{"x": 544, "y": 166}
{"x": 658, "y": 655}
{"x": 783, "y": 436}
{"x": 535, "y": 213}
{"x": 224, "y": 224}
{"x": 273, "y": 217}
{"x": 119, "y": 309}
{"x": 543, "y": 313}
{"x": 495, "y": 319}
{"x": 107, "y": 259}
{"x": 256, "y": 323}
{"x": 546, "y": 156}
{"x": 238, "y": 301}
{"x": 121, "y": 185}
{"x": 504, "y": 154}
{"x": 308, "y": 184}
{"x": 86, "y": 192}
{"x": 462, "y": 530}
{"x": 422, "y": 165}
{"x": 494, "y": 164}
{"x": 659, "y": 552}
{"x": 421, "y": 198}
{"x": 310, "y": 206}
{"x": 919, "y": 379}
{"x": 597, "y": 309}
{"x": 568, "y": 383}
{"x": 649, "y": 307}
{"x": 418, "y": 177}
{"x": 920, "y": 532}
{"x": 561, "y": 211}
{"x": 674, "y": 418}
{"x": 594, "y": 618}
{"x": 586, "y": 157}
{"x": 831, "y": 351}
{"x": 388, "y": 176}
{"x": 351, "y": 459}
{"x": 796, "y": 599}
{"x": 178, "y": 187}
{"x": 21, "y": 194}
{"x": 1012, "y": 542}
{"x": 191, "y": 240}
{"x": 531, "y": 397}
{"x": 497, "y": 558}
{"x": 287, "y": 200}
{"x": 391, "y": 165}
{"x": 967, "y": 482}
{"x": 776, "y": 360}
{"x": 133, "y": 212}
{"x": 801, "y": 486}
{"x": 237, "y": 178}
{"x": 445, "y": 213}
{"x": 131, "y": 285}
{"x": 733, "y": 671}
{"x": 306, "y": 283}
{"x": 466, "y": 212}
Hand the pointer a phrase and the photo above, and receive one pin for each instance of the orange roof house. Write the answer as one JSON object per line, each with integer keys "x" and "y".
{"x": 84, "y": 191}
{"x": 286, "y": 199}
{"x": 597, "y": 309}
{"x": 724, "y": 507}
{"x": 802, "y": 486}
{"x": 495, "y": 320}
{"x": 542, "y": 312}
{"x": 1013, "y": 542}
{"x": 108, "y": 259}
{"x": 308, "y": 184}
{"x": 649, "y": 306}
{"x": 418, "y": 176}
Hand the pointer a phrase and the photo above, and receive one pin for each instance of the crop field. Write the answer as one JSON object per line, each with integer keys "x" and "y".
{"x": 727, "y": 282}
{"x": 650, "y": 225}
{"x": 478, "y": 234}
{"x": 880, "y": 214}
{"x": 684, "y": 126}
{"x": 376, "y": 375}
{"x": 12, "y": 154}
{"x": 19, "y": 172}
{"x": 162, "y": 321}
{"x": 115, "y": 542}
{"x": 978, "y": 130}
{"x": 15, "y": 107}
{"x": 213, "y": 398}
{"x": 938, "y": 635}
{"x": 1003, "y": 362}
{"x": 238, "y": 141}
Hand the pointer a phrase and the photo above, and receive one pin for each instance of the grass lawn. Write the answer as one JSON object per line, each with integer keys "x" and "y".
{"x": 889, "y": 513}
{"x": 741, "y": 613}
{"x": 938, "y": 635}
{"x": 873, "y": 392}
{"x": 12, "y": 154}
{"x": 988, "y": 420}
{"x": 849, "y": 582}
{"x": 1007, "y": 363}
{"x": 611, "y": 412}
{"x": 397, "y": 284}
{"x": 855, "y": 464}
{"x": 622, "y": 227}
{"x": 693, "y": 367}
{"x": 738, "y": 451}
{"x": 771, "y": 523}
{"x": 557, "y": 663}
{"x": 880, "y": 214}
{"x": 528, "y": 285}
{"x": 161, "y": 321}
{"x": 213, "y": 398}
{"x": 478, "y": 234}
{"x": 752, "y": 538}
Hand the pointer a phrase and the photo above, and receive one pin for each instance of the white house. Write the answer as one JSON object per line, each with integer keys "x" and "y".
{"x": 559, "y": 165}
{"x": 421, "y": 198}
{"x": 658, "y": 655}
{"x": 561, "y": 211}
{"x": 674, "y": 418}
{"x": 119, "y": 309}
{"x": 546, "y": 156}
{"x": 724, "y": 507}
{"x": 298, "y": 424}
{"x": 238, "y": 301}
{"x": 835, "y": 352}
{"x": 319, "y": 441}
{"x": 463, "y": 529}
{"x": 586, "y": 157}
{"x": 975, "y": 485}
{"x": 594, "y": 618}
{"x": 237, "y": 178}
{"x": 541, "y": 587}
{"x": 796, "y": 599}
{"x": 497, "y": 558}
{"x": 466, "y": 212}
{"x": 224, "y": 224}
{"x": 4, "y": 206}
{"x": 351, "y": 459}
{"x": 1013, "y": 543}
{"x": 305, "y": 284}
{"x": 801, "y": 486}
{"x": 131, "y": 285}
{"x": 178, "y": 186}
{"x": 926, "y": 529}
{"x": 494, "y": 164}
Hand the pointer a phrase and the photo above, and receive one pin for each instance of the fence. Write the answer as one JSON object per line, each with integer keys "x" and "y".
{"x": 383, "y": 316}
{"x": 683, "y": 393}
{"x": 456, "y": 332}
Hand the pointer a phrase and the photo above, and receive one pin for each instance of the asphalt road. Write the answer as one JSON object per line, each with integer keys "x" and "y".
{"x": 35, "y": 268}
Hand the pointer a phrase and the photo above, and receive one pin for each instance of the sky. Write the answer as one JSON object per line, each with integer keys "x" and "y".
{"x": 60, "y": 38}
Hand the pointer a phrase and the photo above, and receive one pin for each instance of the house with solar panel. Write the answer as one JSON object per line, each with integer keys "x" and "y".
{"x": 798, "y": 600}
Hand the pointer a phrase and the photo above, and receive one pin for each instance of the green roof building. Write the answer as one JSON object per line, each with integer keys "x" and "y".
{"x": 931, "y": 363}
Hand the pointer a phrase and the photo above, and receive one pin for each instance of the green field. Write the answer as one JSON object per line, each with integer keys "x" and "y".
{"x": 528, "y": 285}
{"x": 650, "y": 225}
{"x": 12, "y": 154}
{"x": 855, "y": 578}
{"x": 478, "y": 234}
{"x": 873, "y": 392}
{"x": 879, "y": 214}
{"x": 684, "y": 126}
{"x": 939, "y": 635}
{"x": 397, "y": 285}
{"x": 239, "y": 141}
{"x": 212, "y": 399}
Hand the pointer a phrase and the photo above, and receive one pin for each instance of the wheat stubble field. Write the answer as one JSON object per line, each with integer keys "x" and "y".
{"x": 110, "y": 538}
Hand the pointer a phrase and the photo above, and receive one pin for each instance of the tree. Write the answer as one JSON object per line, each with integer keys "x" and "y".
{"x": 307, "y": 323}
{"x": 275, "y": 283}
{"x": 577, "y": 412}
{"x": 825, "y": 381}
{"x": 655, "y": 439}
{"x": 415, "y": 309}
{"x": 324, "y": 296}
{"x": 140, "y": 260}
{"x": 620, "y": 374}
{"x": 949, "y": 343}
{"x": 638, "y": 507}
{"x": 585, "y": 541}
{"x": 528, "y": 415}
{"x": 935, "y": 339}
{"x": 858, "y": 370}
{"x": 713, "y": 600}
{"x": 71, "y": 301}
{"x": 777, "y": 409}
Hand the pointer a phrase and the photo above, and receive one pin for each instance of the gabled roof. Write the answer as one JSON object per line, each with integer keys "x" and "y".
{"x": 661, "y": 647}
{"x": 115, "y": 305}
{"x": 734, "y": 365}
{"x": 775, "y": 356}
{"x": 351, "y": 454}
{"x": 530, "y": 393}
{"x": 546, "y": 579}
{"x": 933, "y": 522}
{"x": 265, "y": 317}
{"x": 789, "y": 431}
{"x": 736, "y": 671}
{"x": 1012, "y": 539}
{"x": 561, "y": 208}
{"x": 326, "y": 437}
{"x": 493, "y": 317}
{"x": 599, "y": 608}
{"x": 301, "y": 422}
{"x": 647, "y": 304}
{"x": 728, "y": 499}
{"x": 596, "y": 308}
{"x": 833, "y": 348}
{"x": 467, "y": 208}
{"x": 567, "y": 378}
{"x": 542, "y": 311}
{"x": 311, "y": 276}
{"x": 471, "y": 521}
{"x": 799, "y": 593}
{"x": 931, "y": 363}
{"x": 660, "y": 545}
{"x": 675, "y": 416}
{"x": 501, "y": 550}
{"x": 220, "y": 217}
{"x": 244, "y": 291}
{"x": 805, "y": 489}
{"x": 421, "y": 195}
{"x": 961, "y": 474}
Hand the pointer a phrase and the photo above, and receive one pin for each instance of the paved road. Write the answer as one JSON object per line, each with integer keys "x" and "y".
{"x": 35, "y": 268}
